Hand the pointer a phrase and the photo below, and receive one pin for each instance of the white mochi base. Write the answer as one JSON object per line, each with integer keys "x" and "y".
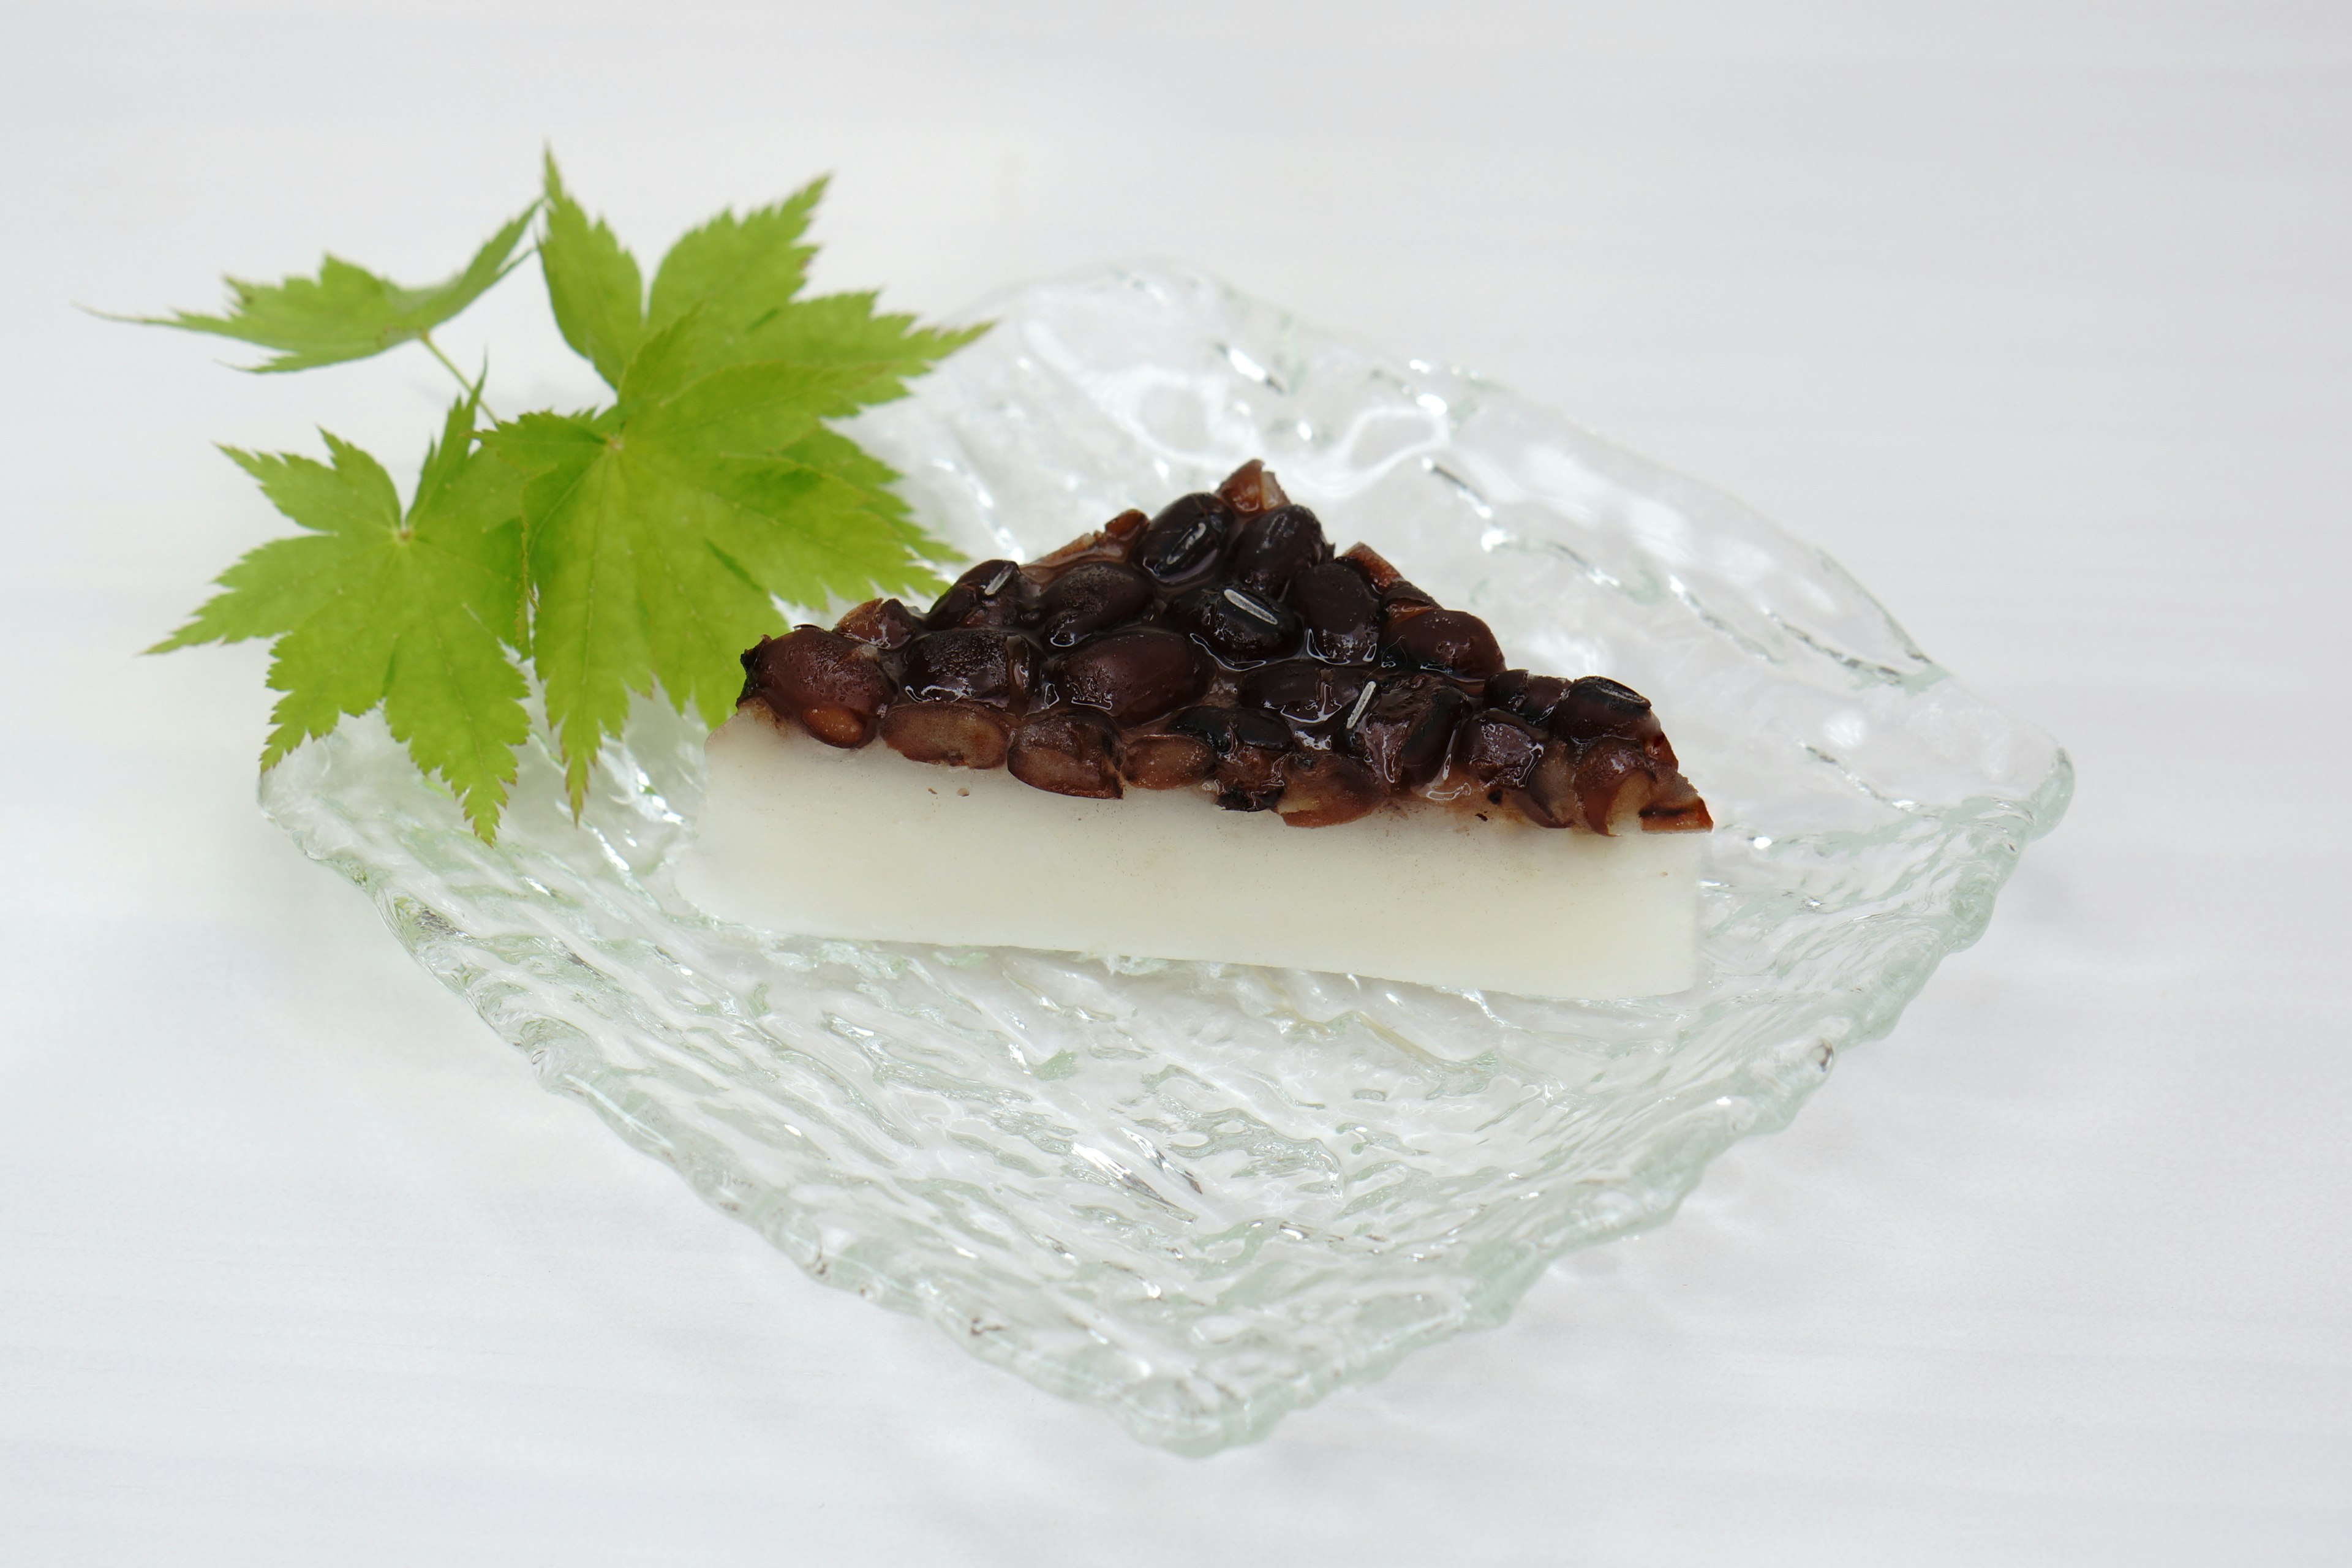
{"x": 803, "y": 838}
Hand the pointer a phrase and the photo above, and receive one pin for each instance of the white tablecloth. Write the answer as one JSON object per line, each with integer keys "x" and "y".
{"x": 2039, "y": 318}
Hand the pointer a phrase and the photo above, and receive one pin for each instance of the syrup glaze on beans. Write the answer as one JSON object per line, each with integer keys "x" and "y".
{"x": 1221, "y": 646}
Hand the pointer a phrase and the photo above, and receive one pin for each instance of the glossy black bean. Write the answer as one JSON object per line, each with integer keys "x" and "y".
{"x": 1324, "y": 789}
{"x": 1241, "y": 628}
{"x": 1185, "y": 540}
{"x": 1548, "y": 795}
{"x": 833, "y": 687}
{"x": 1406, "y": 729}
{"x": 1271, "y": 549}
{"x": 1613, "y": 781}
{"x": 1249, "y": 747}
{"x": 957, "y": 734}
{"x": 1252, "y": 488}
{"x": 1166, "y": 761}
{"x": 1500, "y": 750}
{"x": 1595, "y": 706}
{"x": 1135, "y": 674}
{"x": 1675, "y": 807}
{"x": 885, "y": 624}
{"x": 1531, "y": 697}
{"x": 971, "y": 664}
{"x": 1303, "y": 692}
{"x": 1447, "y": 642}
{"x": 1091, "y": 597}
{"x": 1066, "y": 753}
{"x": 1373, "y": 565}
{"x": 987, "y": 595}
{"x": 1341, "y": 612}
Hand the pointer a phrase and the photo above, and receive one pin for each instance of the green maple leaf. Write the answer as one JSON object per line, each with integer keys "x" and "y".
{"x": 742, "y": 275}
{"x": 618, "y": 550}
{"x": 594, "y": 284}
{"x": 661, "y": 531}
{"x": 413, "y": 610}
{"x": 738, "y": 268}
{"x": 346, "y": 313}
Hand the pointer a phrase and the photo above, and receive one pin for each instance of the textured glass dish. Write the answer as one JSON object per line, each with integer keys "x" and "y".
{"x": 1203, "y": 1196}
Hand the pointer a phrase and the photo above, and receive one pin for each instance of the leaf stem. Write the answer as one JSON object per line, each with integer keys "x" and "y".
{"x": 450, "y": 365}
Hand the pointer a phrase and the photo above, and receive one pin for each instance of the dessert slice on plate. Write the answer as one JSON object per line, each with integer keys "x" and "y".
{"x": 1056, "y": 738}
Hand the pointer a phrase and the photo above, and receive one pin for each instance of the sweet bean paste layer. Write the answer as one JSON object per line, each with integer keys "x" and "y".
{"x": 1222, "y": 644}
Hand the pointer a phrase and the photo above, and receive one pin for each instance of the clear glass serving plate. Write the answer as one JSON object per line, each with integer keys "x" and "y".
{"x": 1203, "y": 1196}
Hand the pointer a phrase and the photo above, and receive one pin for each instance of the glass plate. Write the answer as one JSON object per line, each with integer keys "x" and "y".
{"x": 1203, "y": 1196}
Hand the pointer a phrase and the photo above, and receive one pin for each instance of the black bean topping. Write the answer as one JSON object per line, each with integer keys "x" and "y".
{"x": 971, "y": 664}
{"x": 1341, "y": 614}
{"x": 1251, "y": 488}
{"x": 1547, "y": 797}
{"x": 1111, "y": 543}
{"x": 1221, "y": 644}
{"x": 833, "y": 687}
{"x": 1324, "y": 789}
{"x": 1135, "y": 674}
{"x": 1302, "y": 691}
{"x": 1500, "y": 750}
{"x": 1248, "y": 746}
{"x": 987, "y": 595}
{"x": 1531, "y": 697}
{"x": 1404, "y": 727}
{"x": 1166, "y": 761}
{"x": 1092, "y": 596}
{"x": 1239, "y": 627}
{"x": 1449, "y": 642}
{"x": 885, "y": 624}
{"x": 1068, "y": 753}
{"x": 1274, "y": 548}
{"x": 1674, "y": 807}
{"x": 1249, "y": 780}
{"x": 960, "y": 734}
{"x": 1374, "y": 567}
{"x": 1614, "y": 780}
{"x": 1596, "y": 707}
{"x": 1185, "y": 540}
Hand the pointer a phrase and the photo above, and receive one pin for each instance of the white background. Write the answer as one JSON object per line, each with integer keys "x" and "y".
{"x": 2038, "y": 317}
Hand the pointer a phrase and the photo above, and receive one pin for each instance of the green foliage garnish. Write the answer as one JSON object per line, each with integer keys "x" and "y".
{"x": 412, "y": 610}
{"x": 641, "y": 544}
{"x": 347, "y": 312}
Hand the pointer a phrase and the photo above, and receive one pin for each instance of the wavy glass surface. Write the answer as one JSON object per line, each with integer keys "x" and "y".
{"x": 1204, "y": 1196}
